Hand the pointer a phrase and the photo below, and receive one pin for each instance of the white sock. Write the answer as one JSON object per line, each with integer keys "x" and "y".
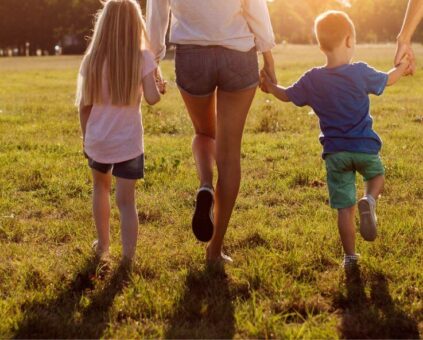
{"x": 370, "y": 198}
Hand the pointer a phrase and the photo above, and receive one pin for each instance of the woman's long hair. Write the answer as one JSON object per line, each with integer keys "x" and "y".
{"x": 119, "y": 35}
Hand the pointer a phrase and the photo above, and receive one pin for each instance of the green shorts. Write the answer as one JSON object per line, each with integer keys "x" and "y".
{"x": 341, "y": 168}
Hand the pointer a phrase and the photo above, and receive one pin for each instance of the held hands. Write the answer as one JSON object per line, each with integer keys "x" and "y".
{"x": 160, "y": 82}
{"x": 267, "y": 84}
{"x": 405, "y": 65}
{"x": 268, "y": 69}
{"x": 404, "y": 50}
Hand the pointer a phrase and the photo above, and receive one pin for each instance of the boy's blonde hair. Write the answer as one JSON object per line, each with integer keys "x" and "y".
{"x": 119, "y": 35}
{"x": 331, "y": 28}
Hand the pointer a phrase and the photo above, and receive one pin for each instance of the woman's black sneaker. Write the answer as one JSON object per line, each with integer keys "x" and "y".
{"x": 202, "y": 221}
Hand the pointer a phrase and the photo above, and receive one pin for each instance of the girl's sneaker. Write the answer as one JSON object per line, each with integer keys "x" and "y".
{"x": 368, "y": 219}
{"x": 202, "y": 221}
{"x": 99, "y": 253}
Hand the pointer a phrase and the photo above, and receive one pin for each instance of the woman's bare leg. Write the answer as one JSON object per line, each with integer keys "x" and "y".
{"x": 202, "y": 111}
{"x": 232, "y": 111}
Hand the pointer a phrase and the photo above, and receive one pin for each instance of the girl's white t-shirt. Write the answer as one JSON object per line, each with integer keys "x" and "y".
{"x": 114, "y": 134}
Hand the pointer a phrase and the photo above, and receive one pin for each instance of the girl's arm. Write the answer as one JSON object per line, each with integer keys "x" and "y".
{"x": 84, "y": 115}
{"x": 158, "y": 12}
{"x": 151, "y": 93}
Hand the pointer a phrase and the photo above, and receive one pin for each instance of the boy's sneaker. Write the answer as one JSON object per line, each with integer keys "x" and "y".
{"x": 350, "y": 261}
{"x": 202, "y": 221}
{"x": 368, "y": 219}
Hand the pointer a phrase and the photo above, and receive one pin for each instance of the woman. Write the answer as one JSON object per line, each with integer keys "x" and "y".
{"x": 217, "y": 75}
{"x": 413, "y": 16}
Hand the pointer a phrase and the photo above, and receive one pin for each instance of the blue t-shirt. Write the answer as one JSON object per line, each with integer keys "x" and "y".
{"x": 340, "y": 98}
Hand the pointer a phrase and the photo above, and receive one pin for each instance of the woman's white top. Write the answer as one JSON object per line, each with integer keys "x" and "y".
{"x": 234, "y": 24}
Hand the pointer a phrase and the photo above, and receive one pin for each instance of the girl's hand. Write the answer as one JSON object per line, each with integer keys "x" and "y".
{"x": 161, "y": 83}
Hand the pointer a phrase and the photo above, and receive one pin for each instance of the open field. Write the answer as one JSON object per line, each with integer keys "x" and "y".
{"x": 286, "y": 281}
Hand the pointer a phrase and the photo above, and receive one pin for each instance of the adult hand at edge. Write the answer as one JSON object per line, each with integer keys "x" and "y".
{"x": 404, "y": 49}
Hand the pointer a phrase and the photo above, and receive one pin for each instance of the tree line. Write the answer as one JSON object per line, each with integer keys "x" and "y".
{"x": 377, "y": 21}
{"x": 47, "y": 23}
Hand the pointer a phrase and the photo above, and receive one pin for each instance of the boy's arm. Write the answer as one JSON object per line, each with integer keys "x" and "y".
{"x": 398, "y": 72}
{"x": 268, "y": 86}
{"x": 280, "y": 93}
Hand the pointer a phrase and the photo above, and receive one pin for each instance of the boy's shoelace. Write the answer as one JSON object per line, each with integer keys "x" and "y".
{"x": 350, "y": 260}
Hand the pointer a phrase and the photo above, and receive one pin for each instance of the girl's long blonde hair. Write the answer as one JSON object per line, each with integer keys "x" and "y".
{"x": 119, "y": 35}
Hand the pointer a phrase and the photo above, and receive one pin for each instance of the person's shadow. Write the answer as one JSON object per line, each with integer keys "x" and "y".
{"x": 376, "y": 316}
{"x": 66, "y": 315}
{"x": 205, "y": 309}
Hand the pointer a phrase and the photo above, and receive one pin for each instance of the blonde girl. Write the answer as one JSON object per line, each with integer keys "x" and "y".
{"x": 115, "y": 72}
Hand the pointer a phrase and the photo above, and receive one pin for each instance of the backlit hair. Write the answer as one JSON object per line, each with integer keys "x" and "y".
{"x": 331, "y": 28}
{"x": 119, "y": 35}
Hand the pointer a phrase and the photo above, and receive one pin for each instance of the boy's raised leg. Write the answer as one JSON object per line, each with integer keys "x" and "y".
{"x": 374, "y": 187}
{"x": 367, "y": 208}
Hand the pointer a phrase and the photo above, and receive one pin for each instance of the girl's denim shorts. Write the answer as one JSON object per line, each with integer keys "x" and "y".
{"x": 202, "y": 69}
{"x": 132, "y": 169}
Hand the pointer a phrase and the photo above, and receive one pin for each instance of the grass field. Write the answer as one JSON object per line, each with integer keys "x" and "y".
{"x": 286, "y": 281}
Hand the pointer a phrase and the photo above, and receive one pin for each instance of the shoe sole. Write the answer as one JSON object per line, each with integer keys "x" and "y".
{"x": 367, "y": 223}
{"x": 202, "y": 225}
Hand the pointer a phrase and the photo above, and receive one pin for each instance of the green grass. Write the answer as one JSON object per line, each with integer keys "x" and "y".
{"x": 286, "y": 281}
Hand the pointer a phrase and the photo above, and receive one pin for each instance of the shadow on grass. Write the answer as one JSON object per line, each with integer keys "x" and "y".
{"x": 205, "y": 310}
{"x": 374, "y": 317}
{"x": 76, "y": 312}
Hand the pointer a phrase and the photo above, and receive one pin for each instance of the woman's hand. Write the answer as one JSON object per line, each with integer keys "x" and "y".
{"x": 404, "y": 50}
{"x": 269, "y": 66}
{"x": 413, "y": 16}
{"x": 268, "y": 70}
{"x": 266, "y": 84}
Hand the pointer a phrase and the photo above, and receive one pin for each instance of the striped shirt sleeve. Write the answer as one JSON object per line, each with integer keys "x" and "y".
{"x": 158, "y": 12}
{"x": 258, "y": 18}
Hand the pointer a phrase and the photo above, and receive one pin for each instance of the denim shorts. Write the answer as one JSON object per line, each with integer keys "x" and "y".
{"x": 132, "y": 169}
{"x": 202, "y": 69}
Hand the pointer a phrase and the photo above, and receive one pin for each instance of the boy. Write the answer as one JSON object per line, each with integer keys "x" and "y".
{"x": 339, "y": 94}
